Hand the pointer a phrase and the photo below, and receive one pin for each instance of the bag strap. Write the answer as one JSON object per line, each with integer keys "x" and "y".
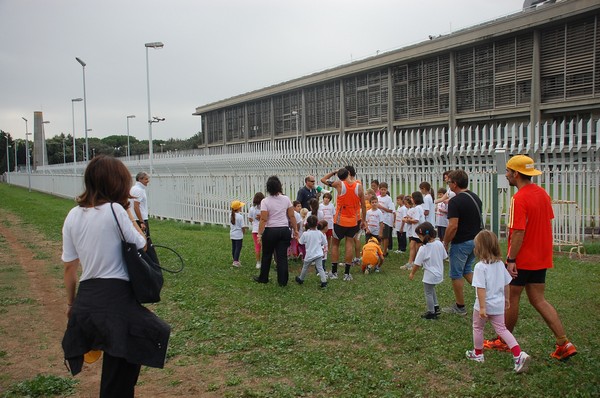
{"x": 164, "y": 247}
{"x": 118, "y": 225}
{"x": 478, "y": 209}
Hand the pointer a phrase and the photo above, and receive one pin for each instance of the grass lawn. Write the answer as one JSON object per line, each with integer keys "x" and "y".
{"x": 363, "y": 338}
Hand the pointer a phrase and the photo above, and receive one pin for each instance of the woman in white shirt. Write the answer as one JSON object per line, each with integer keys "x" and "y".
{"x": 103, "y": 312}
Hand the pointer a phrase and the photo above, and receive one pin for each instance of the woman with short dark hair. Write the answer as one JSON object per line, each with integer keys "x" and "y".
{"x": 276, "y": 229}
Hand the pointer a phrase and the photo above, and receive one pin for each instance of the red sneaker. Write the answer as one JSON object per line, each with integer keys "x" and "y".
{"x": 495, "y": 344}
{"x": 564, "y": 351}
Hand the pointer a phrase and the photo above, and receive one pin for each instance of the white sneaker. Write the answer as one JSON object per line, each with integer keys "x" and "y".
{"x": 356, "y": 261}
{"x": 474, "y": 357}
{"x": 258, "y": 265}
{"x": 236, "y": 264}
{"x": 407, "y": 266}
{"x": 398, "y": 251}
{"x": 347, "y": 277}
{"x": 522, "y": 362}
{"x": 333, "y": 275}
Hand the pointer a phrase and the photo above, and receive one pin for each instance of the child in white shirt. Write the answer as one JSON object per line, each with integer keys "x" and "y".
{"x": 254, "y": 220}
{"x": 431, "y": 256}
{"x": 374, "y": 220}
{"x": 491, "y": 280}
{"x": 314, "y": 242}
{"x": 441, "y": 214}
{"x": 399, "y": 223}
{"x": 236, "y": 232}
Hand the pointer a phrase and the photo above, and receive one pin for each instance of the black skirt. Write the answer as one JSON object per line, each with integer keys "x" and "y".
{"x": 106, "y": 316}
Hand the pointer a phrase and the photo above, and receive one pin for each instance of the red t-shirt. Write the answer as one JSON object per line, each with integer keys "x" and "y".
{"x": 531, "y": 211}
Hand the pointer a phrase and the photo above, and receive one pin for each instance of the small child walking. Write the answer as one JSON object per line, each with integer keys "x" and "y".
{"x": 491, "y": 279}
{"x": 254, "y": 219}
{"x": 314, "y": 242}
{"x": 236, "y": 232}
{"x": 431, "y": 256}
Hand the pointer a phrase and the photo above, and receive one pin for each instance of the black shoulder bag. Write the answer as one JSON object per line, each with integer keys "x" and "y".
{"x": 145, "y": 275}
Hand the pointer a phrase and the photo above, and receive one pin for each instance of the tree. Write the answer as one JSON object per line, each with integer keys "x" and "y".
{"x": 4, "y": 161}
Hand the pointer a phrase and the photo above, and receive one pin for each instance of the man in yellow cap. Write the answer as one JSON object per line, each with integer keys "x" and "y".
{"x": 530, "y": 253}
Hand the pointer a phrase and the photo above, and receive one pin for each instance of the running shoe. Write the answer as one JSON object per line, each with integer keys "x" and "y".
{"x": 495, "y": 344}
{"x": 454, "y": 309}
{"x": 474, "y": 357}
{"x": 564, "y": 351}
{"x": 522, "y": 362}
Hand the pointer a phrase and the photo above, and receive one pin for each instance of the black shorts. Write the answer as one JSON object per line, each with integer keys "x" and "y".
{"x": 387, "y": 231}
{"x": 525, "y": 277}
{"x": 412, "y": 238}
{"x": 340, "y": 232}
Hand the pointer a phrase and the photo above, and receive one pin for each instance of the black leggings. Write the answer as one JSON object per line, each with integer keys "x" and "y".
{"x": 275, "y": 240}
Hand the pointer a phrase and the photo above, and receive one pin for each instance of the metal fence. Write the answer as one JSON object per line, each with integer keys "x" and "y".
{"x": 197, "y": 186}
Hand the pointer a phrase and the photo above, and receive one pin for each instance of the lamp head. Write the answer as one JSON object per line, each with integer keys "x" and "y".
{"x": 77, "y": 99}
{"x": 80, "y": 61}
{"x": 156, "y": 44}
{"x": 24, "y": 119}
{"x": 130, "y": 116}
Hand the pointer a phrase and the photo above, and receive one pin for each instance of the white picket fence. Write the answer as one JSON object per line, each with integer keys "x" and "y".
{"x": 197, "y": 186}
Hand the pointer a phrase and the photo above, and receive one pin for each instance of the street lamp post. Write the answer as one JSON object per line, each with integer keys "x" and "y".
{"x": 73, "y": 101}
{"x": 64, "y": 153}
{"x": 27, "y": 153}
{"x": 162, "y": 145}
{"x": 7, "y": 159}
{"x": 16, "y": 161}
{"x": 128, "y": 150}
{"x": 87, "y": 152}
{"x": 155, "y": 45}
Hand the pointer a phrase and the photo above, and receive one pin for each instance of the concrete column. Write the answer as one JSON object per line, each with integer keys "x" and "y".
{"x": 452, "y": 93}
{"x": 536, "y": 96}
{"x": 390, "y": 108}
{"x": 342, "y": 111}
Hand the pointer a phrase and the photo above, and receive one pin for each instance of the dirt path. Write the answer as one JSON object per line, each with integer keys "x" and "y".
{"x": 32, "y": 321}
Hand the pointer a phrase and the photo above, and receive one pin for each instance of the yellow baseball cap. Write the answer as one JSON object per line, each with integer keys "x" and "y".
{"x": 523, "y": 164}
{"x": 236, "y": 205}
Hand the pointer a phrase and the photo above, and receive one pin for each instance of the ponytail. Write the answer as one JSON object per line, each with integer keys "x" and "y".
{"x": 232, "y": 219}
{"x": 427, "y": 230}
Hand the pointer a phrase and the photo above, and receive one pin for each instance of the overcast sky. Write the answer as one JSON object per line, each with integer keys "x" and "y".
{"x": 212, "y": 50}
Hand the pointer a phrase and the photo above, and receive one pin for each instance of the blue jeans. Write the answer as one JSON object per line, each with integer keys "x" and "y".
{"x": 462, "y": 259}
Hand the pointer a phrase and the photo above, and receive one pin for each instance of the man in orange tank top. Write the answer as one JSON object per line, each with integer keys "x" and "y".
{"x": 348, "y": 220}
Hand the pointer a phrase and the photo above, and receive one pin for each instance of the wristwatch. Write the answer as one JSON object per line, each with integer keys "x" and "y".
{"x": 511, "y": 260}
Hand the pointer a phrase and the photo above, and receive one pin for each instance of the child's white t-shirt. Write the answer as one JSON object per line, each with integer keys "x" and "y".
{"x": 320, "y": 215}
{"x": 386, "y": 201}
{"x": 441, "y": 215}
{"x": 431, "y": 257}
{"x": 374, "y": 217}
{"x": 314, "y": 242}
{"x": 400, "y": 213}
{"x": 236, "y": 232}
{"x": 328, "y": 212}
{"x": 493, "y": 278}
{"x": 429, "y": 205}
{"x": 254, "y": 214}
{"x": 416, "y": 213}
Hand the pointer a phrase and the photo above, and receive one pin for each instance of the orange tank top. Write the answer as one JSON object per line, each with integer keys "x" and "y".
{"x": 347, "y": 212}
